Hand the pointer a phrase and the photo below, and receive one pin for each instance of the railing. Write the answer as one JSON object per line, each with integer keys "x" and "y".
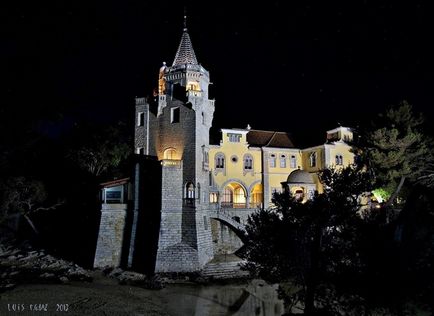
{"x": 236, "y": 221}
{"x": 171, "y": 162}
{"x": 233, "y": 205}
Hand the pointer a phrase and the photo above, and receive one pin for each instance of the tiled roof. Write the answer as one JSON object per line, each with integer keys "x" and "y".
{"x": 115, "y": 182}
{"x": 185, "y": 53}
{"x": 259, "y": 138}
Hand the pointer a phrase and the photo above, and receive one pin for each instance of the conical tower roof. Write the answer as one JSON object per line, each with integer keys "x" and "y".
{"x": 185, "y": 53}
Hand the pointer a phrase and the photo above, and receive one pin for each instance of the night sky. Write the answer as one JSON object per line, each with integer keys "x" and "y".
{"x": 301, "y": 67}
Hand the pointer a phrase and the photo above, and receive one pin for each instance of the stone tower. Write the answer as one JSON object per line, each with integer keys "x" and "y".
{"x": 177, "y": 132}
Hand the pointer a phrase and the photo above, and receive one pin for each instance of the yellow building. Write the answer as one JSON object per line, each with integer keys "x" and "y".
{"x": 249, "y": 165}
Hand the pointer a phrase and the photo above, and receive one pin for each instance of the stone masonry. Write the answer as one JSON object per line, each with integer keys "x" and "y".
{"x": 110, "y": 237}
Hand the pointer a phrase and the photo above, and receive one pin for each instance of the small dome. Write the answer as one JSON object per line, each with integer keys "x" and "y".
{"x": 300, "y": 176}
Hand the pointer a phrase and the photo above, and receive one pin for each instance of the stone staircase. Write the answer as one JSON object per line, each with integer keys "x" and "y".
{"x": 224, "y": 267}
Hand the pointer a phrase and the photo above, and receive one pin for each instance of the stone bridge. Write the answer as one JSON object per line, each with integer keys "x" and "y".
{"x": 234, "y": 218}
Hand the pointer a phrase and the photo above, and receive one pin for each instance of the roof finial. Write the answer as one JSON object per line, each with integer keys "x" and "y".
{"x": 185, "y": 19}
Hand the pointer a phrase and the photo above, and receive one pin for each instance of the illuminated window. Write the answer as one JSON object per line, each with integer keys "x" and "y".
{"x": 219, "y": 161}
{"x": 293, "y": 162}
{"x": 190, "y": 190}
{"x": 312, "y": 159}
{"x": 170, "y": 153}
{"x": 174, "y": 115}
{"x": 228, "y": 197}
{"x": 272, "y": 161}
{"x": 339, "y": 160}
{"x": 213, "y": 197}
{"x": 299, "y": 195}
{"x": 248, "y": 162}
{"x": 140, "y": 119}
{"x": 282, "y": 161}
{"x": 141, "y": 151}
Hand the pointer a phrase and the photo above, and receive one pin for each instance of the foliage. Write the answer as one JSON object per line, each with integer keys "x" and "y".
{"x": 310, "y": 244}
{"x": 395, "y": 149}
{"x": 99, "y": 150}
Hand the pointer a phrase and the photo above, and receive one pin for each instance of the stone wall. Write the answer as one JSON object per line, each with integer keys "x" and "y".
{"x": 111, "y": 234}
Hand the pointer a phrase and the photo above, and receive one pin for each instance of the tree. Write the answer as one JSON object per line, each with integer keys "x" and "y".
{"x": 395, "y": 149}
{"x": 98, "y": 149}
{"x": 312, "y": 245}
{"x": 25, "y": 197}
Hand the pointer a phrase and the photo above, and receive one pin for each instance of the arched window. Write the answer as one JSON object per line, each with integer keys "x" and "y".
{"x": 219, "y": 161}
{"x": 293, "y": 162}
{"x": 198, "y": 192}
{"x": 190, "y": 190}
{"x": 312, "y": 159}
{"x": 339, "y": 160}
{"x": 282, "y": 161}
{"x": 272, "y": 161}
{"x": 169, "y": 153}
{"x": 248, "y": 162}
{"x": 213, "y": 197}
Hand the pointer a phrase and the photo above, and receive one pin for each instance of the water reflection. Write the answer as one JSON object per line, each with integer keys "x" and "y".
{"x": 253, "y": 298}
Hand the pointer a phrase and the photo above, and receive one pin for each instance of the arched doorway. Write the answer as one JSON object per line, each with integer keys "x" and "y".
{"x": 234, "y": 196}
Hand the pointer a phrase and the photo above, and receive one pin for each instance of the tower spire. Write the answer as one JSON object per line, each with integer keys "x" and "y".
{"x": 185, "y": 53}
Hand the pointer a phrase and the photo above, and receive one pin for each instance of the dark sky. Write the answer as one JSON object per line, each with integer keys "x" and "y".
{"x": 300, "y": 67}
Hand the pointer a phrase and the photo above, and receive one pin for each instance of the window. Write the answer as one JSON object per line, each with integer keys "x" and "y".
{"x": 248, "y": 162}
{"x": 174, "y": 117}
{"x": 339, "y": 160}
{"x": 141, "y": 151}
{"x": 272, "y": 161}
{"x": 219, "y": 161}
{"x": 293, "y": 162}
{"x": 234, "y": 138}
{"x": 140, "y": 119}
{"x": 203, "y": 118}
{"x": 190, "y": 190}
{"x": 213, "y": 197}
{"x": 169, "y": 153}
{"x": 227, "y": 196}
{"x": 198, "y": 191}
{"x": 312, "y": 159}
{"x": 282, "y": 161}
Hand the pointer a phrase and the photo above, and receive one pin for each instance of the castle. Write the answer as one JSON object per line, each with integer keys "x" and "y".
{"x": 204, "y": 192}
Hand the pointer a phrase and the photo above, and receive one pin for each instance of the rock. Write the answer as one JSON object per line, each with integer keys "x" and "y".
{"x": 64, "y": 280}
{"x": 154, "y": 283}
{"x": 47, "y": 275}
{"x": 115, "y": 272}
{"x": 131, "y": 278}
